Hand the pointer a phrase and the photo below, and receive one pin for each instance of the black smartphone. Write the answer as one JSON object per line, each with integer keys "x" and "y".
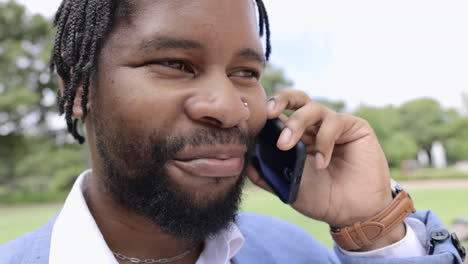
{"x": 282, "y": 170}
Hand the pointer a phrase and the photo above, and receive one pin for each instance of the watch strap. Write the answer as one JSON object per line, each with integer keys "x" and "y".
{"x": 366, "y": 233}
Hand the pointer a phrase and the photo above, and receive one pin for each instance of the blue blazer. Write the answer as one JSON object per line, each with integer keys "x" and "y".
{"x": 267, "y": 241}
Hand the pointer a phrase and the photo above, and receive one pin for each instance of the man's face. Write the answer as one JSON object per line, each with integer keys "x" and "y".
{"x": 169, "y": 128}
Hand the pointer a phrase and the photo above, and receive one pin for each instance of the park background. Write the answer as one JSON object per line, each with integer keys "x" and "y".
{"x": 400, "y": 65}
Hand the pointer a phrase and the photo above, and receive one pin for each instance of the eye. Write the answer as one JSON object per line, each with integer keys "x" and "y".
{"x": 174, "y": 64}
{"x": 247, "y": 74}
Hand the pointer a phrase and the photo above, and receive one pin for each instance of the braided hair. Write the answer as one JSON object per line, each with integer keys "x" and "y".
{"x": 82, "y": 26}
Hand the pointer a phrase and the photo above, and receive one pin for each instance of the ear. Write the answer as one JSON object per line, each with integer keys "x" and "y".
{"x": 77, "y": 110}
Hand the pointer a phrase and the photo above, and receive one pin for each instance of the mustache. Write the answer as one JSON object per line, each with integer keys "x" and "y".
{"x": 205, "y": 137}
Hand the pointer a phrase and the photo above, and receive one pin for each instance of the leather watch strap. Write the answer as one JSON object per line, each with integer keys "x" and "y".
{"x": 365, "y": 233}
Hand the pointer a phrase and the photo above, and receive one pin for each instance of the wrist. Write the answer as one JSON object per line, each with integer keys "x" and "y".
{"x": 359, "y": 215}
{"x": 392, "y": 237}
{"x": 383, "y": 229}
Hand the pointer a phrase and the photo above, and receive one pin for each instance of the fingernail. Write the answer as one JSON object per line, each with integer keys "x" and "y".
{"x": 285, "y": 136}
{"x": 319, "y": 160}
{"x": 271, "y": 104}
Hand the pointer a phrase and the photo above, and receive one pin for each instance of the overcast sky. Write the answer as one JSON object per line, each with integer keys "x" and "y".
{"x": 375, "y": 52}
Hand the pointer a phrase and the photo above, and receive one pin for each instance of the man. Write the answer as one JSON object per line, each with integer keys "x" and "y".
{"x": 170, "y": 95}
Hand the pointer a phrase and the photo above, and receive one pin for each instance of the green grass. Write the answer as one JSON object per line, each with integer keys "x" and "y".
{"x": 429, "y": 174}
{"x": 18, "y": 220}
{"x": 265, "y": 203}
{"x": 448, "y": 203}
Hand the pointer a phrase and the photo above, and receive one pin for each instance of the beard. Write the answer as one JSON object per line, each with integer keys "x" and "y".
{"x": 136, "y": 176}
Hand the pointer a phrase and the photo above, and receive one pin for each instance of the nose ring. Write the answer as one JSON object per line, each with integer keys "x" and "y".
{"x": 246, "y": 104}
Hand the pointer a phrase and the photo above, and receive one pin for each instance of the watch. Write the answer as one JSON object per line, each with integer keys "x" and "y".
{"x": 365, "y": 233}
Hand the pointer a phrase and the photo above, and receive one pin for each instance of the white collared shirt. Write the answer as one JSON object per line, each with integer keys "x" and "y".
{"x": 76, "y": 238}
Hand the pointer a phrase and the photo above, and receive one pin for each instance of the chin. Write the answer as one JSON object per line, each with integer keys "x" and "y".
{"x": 207, "y": 190}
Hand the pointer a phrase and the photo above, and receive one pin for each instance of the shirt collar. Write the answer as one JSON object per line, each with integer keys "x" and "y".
{"x": 76, "y": 237}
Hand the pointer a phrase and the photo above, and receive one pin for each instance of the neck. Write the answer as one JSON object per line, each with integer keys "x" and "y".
{"x": 131, "y": 234}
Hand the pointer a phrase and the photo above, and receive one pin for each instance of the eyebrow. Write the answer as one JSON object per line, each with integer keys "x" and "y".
{"x": 165, "y": 42}
{"x": 251, "y": 54}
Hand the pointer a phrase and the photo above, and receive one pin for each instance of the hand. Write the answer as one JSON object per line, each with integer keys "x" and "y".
{"x": 346, "y": 176}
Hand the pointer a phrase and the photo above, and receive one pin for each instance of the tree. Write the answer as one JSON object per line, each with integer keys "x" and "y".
{"x": 456, "y": 142}
{"x": 28, "y": 153}
{"x": 384, "y": 121}
{"x": 387, "y": 124}
{"x": 424, "y": 119}
{"x": 399, "y": 147}
{"x": 24, "y": 78}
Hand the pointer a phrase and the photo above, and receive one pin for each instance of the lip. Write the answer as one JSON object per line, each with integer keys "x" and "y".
{"x": 212, "y": 161}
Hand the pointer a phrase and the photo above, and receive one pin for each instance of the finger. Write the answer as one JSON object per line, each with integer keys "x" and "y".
{"x": 310, "y": 149}
{"x": 308, "y": 115}
{"x": 355, "y": 128}
{"x": 309, "y": 136}
{"x": 308, "y": 139}
{"x": 286, "y": 99}
{"x": 330, "y": 131}
{"x": 255, "y": 177}
{"x": 283, "y": 117}
{"x": 312, "y": 130}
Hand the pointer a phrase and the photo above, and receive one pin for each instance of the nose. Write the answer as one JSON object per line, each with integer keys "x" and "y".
{"x": 218, "y": 102}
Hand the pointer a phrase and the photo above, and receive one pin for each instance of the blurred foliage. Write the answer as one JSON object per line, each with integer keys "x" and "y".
{"x": 456, "y": 139}
{"x": 414, "y": 126}
{"x": 273, "y": 80}
{"x": 337, "y": 106}
{"x": 399, "y": 147}
{"x": 384, "y": 121}
{"x": 424, "y": 120}
{"x": 39, "y": 163}
{"x": 25, "y": 43}
{"x": 34, "y": 159}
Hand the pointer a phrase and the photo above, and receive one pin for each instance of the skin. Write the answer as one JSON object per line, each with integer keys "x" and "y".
{"x": 346, "y": 177}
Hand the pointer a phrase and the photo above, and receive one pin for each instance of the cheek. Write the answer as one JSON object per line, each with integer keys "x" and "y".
{"x": 138, "y": 104}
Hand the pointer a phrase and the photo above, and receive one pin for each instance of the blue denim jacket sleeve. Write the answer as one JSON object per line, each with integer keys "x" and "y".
{"x": 444, "y": 252}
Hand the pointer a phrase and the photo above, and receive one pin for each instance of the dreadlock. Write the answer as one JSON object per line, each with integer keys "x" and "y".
{"x": 264, "y": 25}
{"x": 82, "y": 26}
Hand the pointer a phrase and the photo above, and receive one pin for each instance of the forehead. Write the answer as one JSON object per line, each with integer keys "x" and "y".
{"x": 201, "y": 20}
{"x": 190, "y": 7}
